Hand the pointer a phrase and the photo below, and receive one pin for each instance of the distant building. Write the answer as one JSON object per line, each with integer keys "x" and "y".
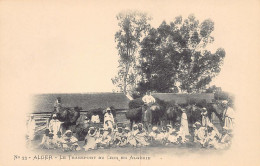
{"x": 87, "y": 101}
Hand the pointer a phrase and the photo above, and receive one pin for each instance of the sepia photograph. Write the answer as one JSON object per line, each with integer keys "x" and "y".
{"x": 129, "y": 82}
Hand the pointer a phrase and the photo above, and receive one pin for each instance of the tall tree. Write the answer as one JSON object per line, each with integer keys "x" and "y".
{"x": 133, "y": 26}
{"x": 174, "y": 56}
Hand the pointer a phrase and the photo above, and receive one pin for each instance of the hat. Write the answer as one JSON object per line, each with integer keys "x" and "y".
{"x": 196, "y": 124}
{"x": 154, "y": 128}
{"x": 135, "y": 126}
{"x": 108, "y": 109}
{"x": 169, "y": 126}
{"x": 225, "y": 102}
{"x": 67, "y": 132}
{"x": 204, "y": 109}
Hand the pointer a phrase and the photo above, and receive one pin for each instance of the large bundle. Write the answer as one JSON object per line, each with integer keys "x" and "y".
{"x": 136, "y": 103}
{"x": 134, "y": 114}
{"x": 67, "y": 115}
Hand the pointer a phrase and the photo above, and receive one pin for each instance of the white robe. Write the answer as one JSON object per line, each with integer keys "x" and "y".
{"x": 31, "y": 126}
{"x": 205, "y": 119}
{"x": 184, "y": 128}
{"x": 108, "y": 121}
{"x": 200, "y": 135}
{"x": 229, "y": 119}
{"x": 55, "y": 127}
{"x": 91, "y": 142}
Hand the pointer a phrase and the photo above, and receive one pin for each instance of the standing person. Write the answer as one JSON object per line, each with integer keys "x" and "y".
{"x": 228, "y": 117}
{"x": 108, "y": 119}
{"x": 57, "y": 104}
{"x": 90, "y": 140}
{"x": 146, "y": 118}
{"x": 31, "y": 126}
{"x": 148, "y": 100}
{"x": 55, "y": 125}
{"x": 205, "y": 119}
{"x": 184, "y": 128}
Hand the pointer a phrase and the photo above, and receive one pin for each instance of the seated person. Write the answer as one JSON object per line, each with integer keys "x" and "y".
{"x": 45, "y": 139}
{"x": 99, "y": 136}
{"x": 69, "y": 142}
{"x": 199, "y": 133}
{"x": 118, "y": 136}
{"x": 107, "y": 138}
{"x": 95, "y": 119}
{"x": 156, "y": 136}
{"x": 90, "y": 139}
{"x": 141, "y": 136}
{"x": 131, "y": 136}
{"x": 212, "y": 138}
{"x": 171, "y": 135}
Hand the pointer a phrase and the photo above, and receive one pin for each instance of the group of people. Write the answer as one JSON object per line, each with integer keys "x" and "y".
{"x": 99, "y": 138}
{"x": 202, "y": 133}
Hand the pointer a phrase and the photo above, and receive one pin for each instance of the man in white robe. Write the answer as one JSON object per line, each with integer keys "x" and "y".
{"x": 205, "y": 119}
{"x": 55, "y": 126}
{"x": 229, "y": 116}
{"x": 31, "y": 126}
{"x": 108, "y": 119}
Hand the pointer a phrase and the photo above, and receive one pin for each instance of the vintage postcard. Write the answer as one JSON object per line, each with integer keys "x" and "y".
{"x": 129, "y": 82}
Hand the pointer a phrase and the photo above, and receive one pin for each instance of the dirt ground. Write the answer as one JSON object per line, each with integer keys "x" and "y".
{"x": 176, "y": 150}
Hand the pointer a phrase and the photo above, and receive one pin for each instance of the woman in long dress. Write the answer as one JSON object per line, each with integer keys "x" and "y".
{"x": 184, "y": 128}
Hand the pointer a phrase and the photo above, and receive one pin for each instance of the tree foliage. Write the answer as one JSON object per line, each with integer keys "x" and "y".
{"x": 174, "y": 56}
{"x": 133, "y": 26}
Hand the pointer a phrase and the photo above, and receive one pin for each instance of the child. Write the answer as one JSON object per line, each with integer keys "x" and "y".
{"x": 90, "y": 140}
{"x": 131, "y": 136}
{"x": 45, "y": 139}
{"x": 107, "y": 138}
{"x": 99, "y": 137}
{"x": 118, "y": 136}
{"x": 69, "y": 142}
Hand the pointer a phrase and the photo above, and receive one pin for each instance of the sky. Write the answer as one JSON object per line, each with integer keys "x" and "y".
{"x": 69, "y": 47}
